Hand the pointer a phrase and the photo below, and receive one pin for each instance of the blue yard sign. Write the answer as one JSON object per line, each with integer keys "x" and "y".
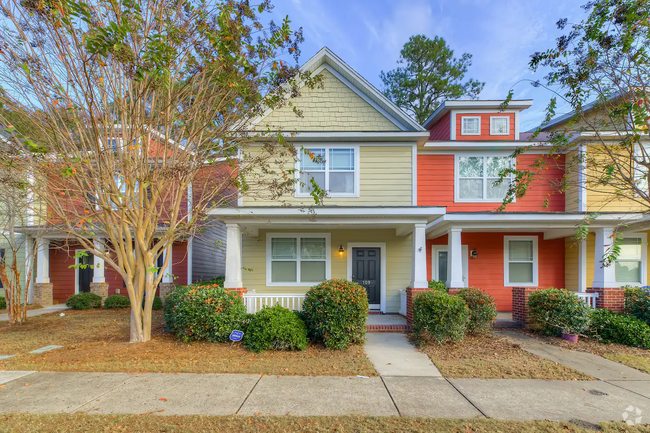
{"x": 236, "y": 335}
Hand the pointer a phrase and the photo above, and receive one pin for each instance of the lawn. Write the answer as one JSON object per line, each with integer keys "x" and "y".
{"x": 97, "y": 340}
{"x": 152, "y": 423}
{"x": 491, "y": 357}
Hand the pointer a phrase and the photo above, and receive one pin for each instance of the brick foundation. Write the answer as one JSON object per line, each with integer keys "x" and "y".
{"x": 520, "y": 297}
{"x": 454, "y": 291}
{"x": 165, "y": 289}
{"x": 609, "y": 298}
{"x": 43, "y": 294}
{"x": 410, "y": 295}
{"x": 99, "y": 289}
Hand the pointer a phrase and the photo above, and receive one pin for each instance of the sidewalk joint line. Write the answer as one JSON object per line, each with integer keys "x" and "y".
{"x": 628, "y": 390}
{"x": 103, "y": 394}
{"x": 249, "y": 394}
{"x": 399, "y": 413}
{"x": 467, "y": 398}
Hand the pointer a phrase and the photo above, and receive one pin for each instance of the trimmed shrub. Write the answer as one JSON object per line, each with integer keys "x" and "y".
{"x": 275, "y": 328}
{"x": 3, "y": 303}
{"x": 611, "y": 327}
{"x": 482, "y": 310}
{"x": 438, "y": 285}
{"x": 157, "y": 303}
{"x": 84, "y": 301}
{"x": 335, "y": 313}
{"x": 557, "y": 310}
{"x": 439, "y": 317}
{"x": 637, "y": 302}
{"x": 203, "y": 313}
{"x": 216, "y": 280}
{"x": 117, "y": 301}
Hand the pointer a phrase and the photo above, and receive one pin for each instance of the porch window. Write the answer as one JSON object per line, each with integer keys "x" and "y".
{"x": 334, "y": 170}
{"x": 470, "y": 125}
{"x": 499, "y": 125}
{"x": 476, "y": 177}
{"x": 629, "y": 265}
{"x": 520, "y": 261}
{"x": 298, "y": 260}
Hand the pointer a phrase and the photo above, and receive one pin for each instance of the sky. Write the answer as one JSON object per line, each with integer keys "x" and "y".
{"x": 500, "y": 34}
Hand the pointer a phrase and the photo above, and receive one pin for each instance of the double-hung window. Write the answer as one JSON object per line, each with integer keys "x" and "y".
{"x": 470, "y": 125}
{"x": 641, "y": 155}
{"x": 520, "y": 261}
{"x": 499, "y": 125}
{"x": 476, "y": 177}
{"x": 334, "y": 169}
{"x": 298, "y": 260}
{"x": 629, "y": 265}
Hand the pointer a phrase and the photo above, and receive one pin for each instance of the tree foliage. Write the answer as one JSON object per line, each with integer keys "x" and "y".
{"x": 429, "y": 75}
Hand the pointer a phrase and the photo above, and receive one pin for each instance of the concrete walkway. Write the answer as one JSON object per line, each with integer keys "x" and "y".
{"x": 394, "y": 355}
{"x": 45, "y": 310}
{"x": 244, "y": 394}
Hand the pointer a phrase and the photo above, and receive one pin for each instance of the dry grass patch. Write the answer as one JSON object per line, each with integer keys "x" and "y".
{"x": 97, "y": 340}
{"x": 151, "y": 423}
{"x": 491, "y": 357}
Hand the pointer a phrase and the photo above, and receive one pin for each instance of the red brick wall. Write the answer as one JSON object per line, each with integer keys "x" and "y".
{"x": 441, "y": 129}
{"x": 485, "y": 127}
{"x": 610, "y": 298}
{"x": 520, "y": 297}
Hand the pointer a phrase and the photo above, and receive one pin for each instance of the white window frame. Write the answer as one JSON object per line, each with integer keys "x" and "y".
{"x": 457, "y": 157}
{"x": 639, "y": 170}
{"x": 462, "y": 125}
{"x": 644, "y": 259}
{"x": 328, "y": 258}
{"x": 506, "y": 261}
{"x": 435, "y": 272}
{"x": 492, "y": 118}
{"x": 327, "y": 147}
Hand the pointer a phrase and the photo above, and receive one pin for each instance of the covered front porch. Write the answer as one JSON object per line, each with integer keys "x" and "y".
{"x": 279, "y": 253}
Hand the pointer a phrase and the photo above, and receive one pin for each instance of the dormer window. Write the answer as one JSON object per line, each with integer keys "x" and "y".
{"x": 499, "y": 125}
{"x": 470, "y": 125}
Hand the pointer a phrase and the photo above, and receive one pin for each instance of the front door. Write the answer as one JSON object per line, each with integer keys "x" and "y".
{"x": 366, "y": 271}
{"x": 85, "y": 272}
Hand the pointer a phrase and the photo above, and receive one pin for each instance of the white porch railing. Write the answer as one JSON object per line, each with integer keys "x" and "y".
{"x": 255, "y": 302}
{"x": 589, "y": 298}
{"x": 402, "y": 302}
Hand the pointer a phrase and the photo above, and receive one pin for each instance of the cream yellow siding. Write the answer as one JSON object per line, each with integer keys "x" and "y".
{"x": 572, "y": 193}
{"x": 398, "y": 261}
{"x": 385, "y": 179}
{"x": 571, "y": 264}
{"x": 330, "y": 107}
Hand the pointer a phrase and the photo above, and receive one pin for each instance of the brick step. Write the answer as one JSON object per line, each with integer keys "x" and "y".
{"x": 401, "y": 329}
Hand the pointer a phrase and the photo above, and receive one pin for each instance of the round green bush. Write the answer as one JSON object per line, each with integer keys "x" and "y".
{"x": 555, "y": 311}
{"x": 611, "y": 327}
{"x": 117, "y": 301}
{"x": 335, "y": 313}
{"x": 439, "y": 317}
{"x": 438, "y": 285}
{"x": 84, "y": 301}
{"x": 482, "y": 310}
{"x": 203, "y": 313}
{"x": 275, "y": 328}
{"x": 157, "y": 303}
{"x": 637, "y": 302}
{"x": 3, "y": 303}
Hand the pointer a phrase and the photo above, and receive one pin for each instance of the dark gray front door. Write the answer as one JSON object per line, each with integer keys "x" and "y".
{"x": 85, "y": 275}
{"x": 366, "y": 263}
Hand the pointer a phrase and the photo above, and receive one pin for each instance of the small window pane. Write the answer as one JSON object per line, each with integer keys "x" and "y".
{"x": 499, "y": 125}
{"x": 312, "y": 272}
{"x": 341, "y": 159}
{"x": 470, "y": 189}
{"x": 520, "y": 251}
{"x": 283, "y": 272}
{"x": 470, "y": 125}
{"x": 306, "y": 184}
{"x": 521, "y": 272}
{"x": 497, "y": 191}
{"x": 313, "y": 248}
{"x": 442, "y": 266}
{"x": 630, "y": 249}
{"x": 283, "y": 248}
{"x": 342, "y": 182}
{"x": 627, "y": 272}
{"x": 308, "y": 163}
{"x": 496, "y": 164}
{"x": 470, "y": 166}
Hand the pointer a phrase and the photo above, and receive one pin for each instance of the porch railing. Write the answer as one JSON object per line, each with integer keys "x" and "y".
{"x": 589, "y": 298}
{"x": 402, "y": 302}
{"x": 256, "y": 301}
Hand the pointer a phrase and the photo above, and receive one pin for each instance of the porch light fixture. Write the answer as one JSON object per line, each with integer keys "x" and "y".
{"x": 341, "y": 250}
{"x": 473, "y": 254}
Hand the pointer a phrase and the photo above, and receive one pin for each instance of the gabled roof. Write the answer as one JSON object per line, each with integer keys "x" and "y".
{"x": 469, "y": 104}
{"x": 565, "y": 117}
{"x": 326, "y": 59}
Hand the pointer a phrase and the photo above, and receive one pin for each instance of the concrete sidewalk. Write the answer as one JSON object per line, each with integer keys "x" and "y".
{"x": 229, "y": 394}
{"x": 394, "y": 355}
{"x": 45, "y": 310}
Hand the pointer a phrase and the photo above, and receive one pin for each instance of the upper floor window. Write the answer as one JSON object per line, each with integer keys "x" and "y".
{"x": 333, "y": 169}
{"x": 476, "y": 177}
{"x": 470, "y": 125}
{"x": 630, "y": 263}
{"x": 499, "y": 125}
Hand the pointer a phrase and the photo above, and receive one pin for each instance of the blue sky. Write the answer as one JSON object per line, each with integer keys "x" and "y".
{"x": 500, "y": 34}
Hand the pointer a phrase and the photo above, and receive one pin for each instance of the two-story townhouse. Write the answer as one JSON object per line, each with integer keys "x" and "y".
{"x": 370, "y": 228}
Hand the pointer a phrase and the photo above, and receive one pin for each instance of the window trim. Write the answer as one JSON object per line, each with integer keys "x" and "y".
{"x": 328, "y": 258}
{"x": 327, "y": 148}
{"x": 457, "y": 157}
{"x": 506, "y": 261}
{"x": 435, "y": 272}
{"x": 507, "y": 125}
{"x": 644, "y": 259}
{"x": 462, "y": 132}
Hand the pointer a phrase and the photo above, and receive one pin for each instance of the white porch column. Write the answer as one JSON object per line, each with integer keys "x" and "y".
{"x": 604, "y": 277}
{"x": 455, "y": 259}
{"x": 98, "y": 263}
{"x": 43, "y": 262}
{"x": 168, "y": 276}
{"x": 582, "y": 266}
{"x": 234, "y": 278}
